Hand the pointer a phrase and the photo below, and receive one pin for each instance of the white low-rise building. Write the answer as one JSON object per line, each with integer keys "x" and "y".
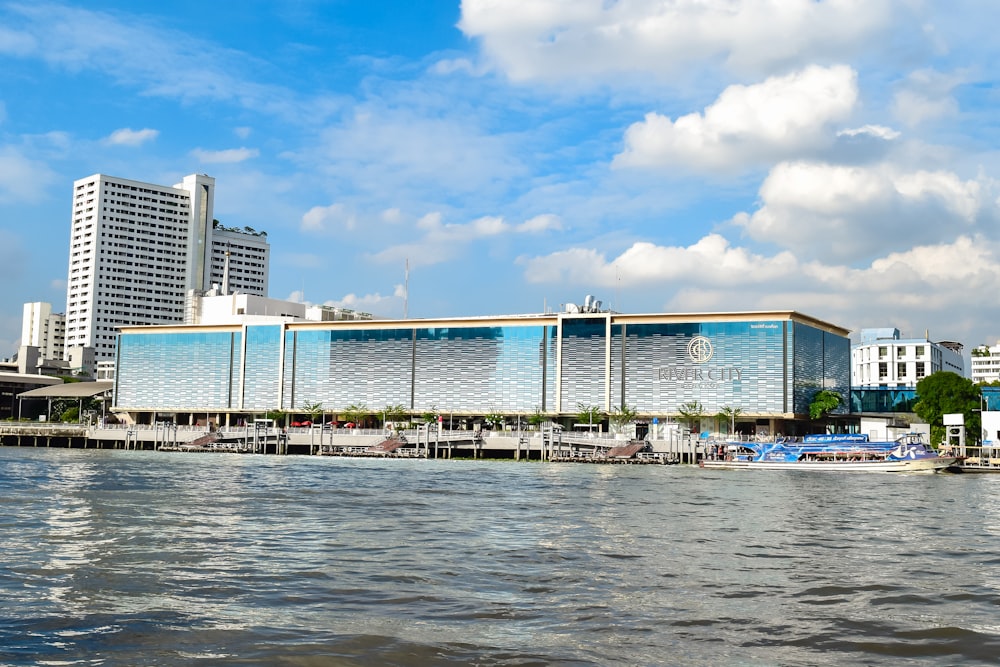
{"x": 883, "y": 359}
{"x": 985, "y": 363}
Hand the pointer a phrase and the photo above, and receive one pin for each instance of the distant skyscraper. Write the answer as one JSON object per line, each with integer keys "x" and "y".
{"x": 136, "y": 249}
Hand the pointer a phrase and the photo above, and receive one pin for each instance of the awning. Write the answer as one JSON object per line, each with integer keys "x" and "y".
{"x": 70, "y": 390}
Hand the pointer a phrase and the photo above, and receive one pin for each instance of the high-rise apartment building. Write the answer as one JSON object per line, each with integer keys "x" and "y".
{"x": 136, "y": 249}
{"x": 42, "y": 328}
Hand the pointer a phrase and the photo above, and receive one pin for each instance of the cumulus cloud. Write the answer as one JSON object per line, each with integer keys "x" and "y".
{"x": 584, "y": 39}
{"x": 365, "y": 302}
{"x": 541, "y": 223}
{"x": 747, "y": 124}
{"x": 855, "y": 212}
{"x": 942, "y": 282}
{"x": 327, "y": 218}
{"x": 227, "y": 156}
{"x": 712, "y": 259}
{"x": 126, "y": 136}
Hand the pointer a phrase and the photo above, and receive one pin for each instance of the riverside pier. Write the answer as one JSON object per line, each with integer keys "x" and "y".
{"x": 547, "y": 444}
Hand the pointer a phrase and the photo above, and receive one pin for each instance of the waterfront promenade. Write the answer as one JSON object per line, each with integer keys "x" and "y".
{"x": 549, "y": 445}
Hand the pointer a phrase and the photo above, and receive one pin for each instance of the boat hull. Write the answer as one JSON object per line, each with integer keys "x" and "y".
{"x": 930, "y": 464}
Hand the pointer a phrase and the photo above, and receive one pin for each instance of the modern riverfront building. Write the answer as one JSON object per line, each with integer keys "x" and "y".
{"x": 137, "y": 248}
{"x": 767, "y": 364}
{"x": 885, "y": 360}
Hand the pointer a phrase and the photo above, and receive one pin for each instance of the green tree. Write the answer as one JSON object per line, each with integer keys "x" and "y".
{"x": 824, "y": 402}
{"x": 623, "y": 416}
{"x": 393, "y": 413}
{"x": 589, "y": 414}
{"x": 493, "y": 418}
{"x": 314, "y": 410}
{"x": 70, "y": 414}
{"x": 691, "y": 414}
{"x": 729, "y": 414}
{"x": 278, "y": 416}
{"x": 356, "y": 413}
{"x": 430, "y": 416}
{"x": 537, "y": 418}
{"x": 945, "y": 393}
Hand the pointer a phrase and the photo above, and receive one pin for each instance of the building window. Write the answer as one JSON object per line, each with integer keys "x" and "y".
{"x": 883, "y": 352}
{"x": 900, "y": 370}
{"x": 921, "y": 370}
{"x": 883, "y": 371}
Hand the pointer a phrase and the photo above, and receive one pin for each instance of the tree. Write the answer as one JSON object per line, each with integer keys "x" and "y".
{"x": 493, "y": 418}
{"x": 314, "y": 410}
{"x": 945, "y": 393}
{"x": 589, "y": 414}
{"x": 623, "y": 416}
{"x": 824, "y": 402}
{"x": 537, "y": 418}
{"x": 356, "y": 413}
{"x": 393, "y": 413}
{"x": 430, "y": 415}
{"x": 691, "y": 413}
{"x": 729, "y": 415}
{"x": 276, "y": 415}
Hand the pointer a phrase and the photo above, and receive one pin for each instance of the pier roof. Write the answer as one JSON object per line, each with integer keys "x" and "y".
{"x": 70, "y": 390}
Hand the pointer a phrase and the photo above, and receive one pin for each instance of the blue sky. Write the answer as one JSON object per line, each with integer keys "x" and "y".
{"x": 838, "y": 158}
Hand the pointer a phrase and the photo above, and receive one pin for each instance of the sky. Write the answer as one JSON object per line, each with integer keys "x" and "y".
{"x": 834, "y": 157}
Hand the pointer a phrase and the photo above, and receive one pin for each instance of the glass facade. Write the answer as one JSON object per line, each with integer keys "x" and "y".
{"x": 179, "y": 371}
{"x": 555, "y": 366}
{"x": 883, "y": 400}
{"x": 659, "y": 367}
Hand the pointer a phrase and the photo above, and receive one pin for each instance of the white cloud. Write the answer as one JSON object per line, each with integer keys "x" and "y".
{"x": 584, "y": 39}
{"x": 365, "y": 302}
{"x": 712, "y": 259}
{"x": 327, "y": 218}
{"x": 126, "y": 136}
{"x": 924, "y": 96}
{"x": 939, "y": 285}
{"x": 747, "y": 124}
{"x": 875, "y": 131}
{"x": 242, "y": 132}
{"x": 228, "y": 156}
{"x": 541, "y": 223}
{"x": 854, "y": 212}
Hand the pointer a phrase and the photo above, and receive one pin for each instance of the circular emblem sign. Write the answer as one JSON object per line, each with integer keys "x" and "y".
{"x": 700, "y": 349}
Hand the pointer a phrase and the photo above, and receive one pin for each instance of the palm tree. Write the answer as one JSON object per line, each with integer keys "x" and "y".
{"x": 691, "y": 413}
{"x": 730, "y": 414}
{"x": 589, "y": 414}
{"x": 623, "y": 416}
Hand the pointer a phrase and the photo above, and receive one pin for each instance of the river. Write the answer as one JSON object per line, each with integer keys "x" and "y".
{"x": 144, "y": 558}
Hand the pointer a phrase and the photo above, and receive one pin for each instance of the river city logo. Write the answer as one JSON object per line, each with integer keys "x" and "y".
{"x": 700, "y": 349}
